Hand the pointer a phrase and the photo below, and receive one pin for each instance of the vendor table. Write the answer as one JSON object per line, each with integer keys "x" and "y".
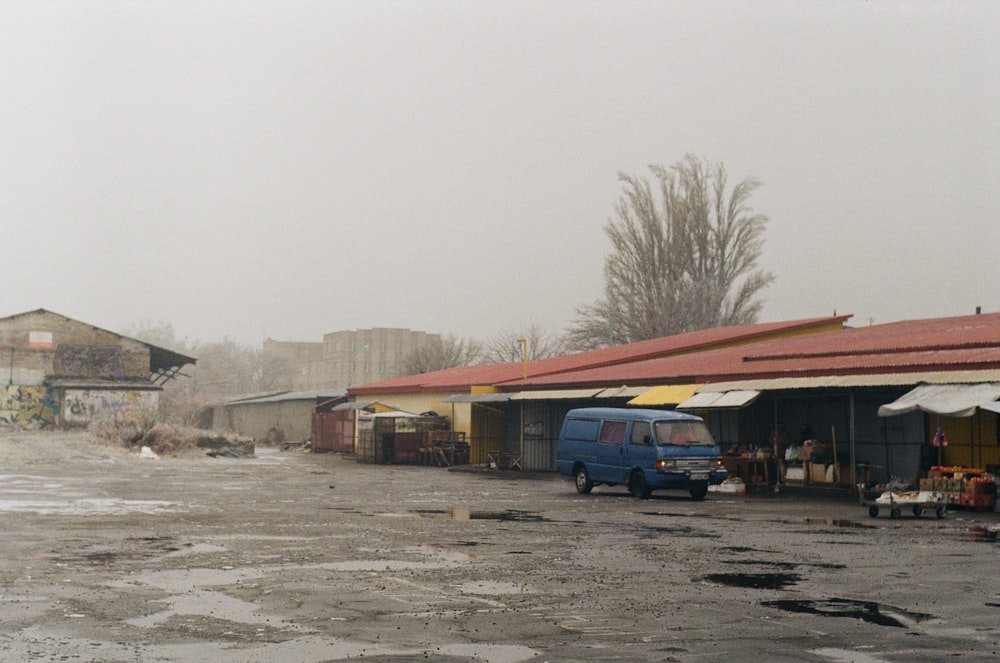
{"x": 751, "y": 470}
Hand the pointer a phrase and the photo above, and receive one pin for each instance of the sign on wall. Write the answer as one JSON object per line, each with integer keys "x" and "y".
{"x": 39, "y": 339}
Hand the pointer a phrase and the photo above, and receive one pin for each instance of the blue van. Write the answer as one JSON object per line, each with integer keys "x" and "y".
{"x": 645, "y": 450}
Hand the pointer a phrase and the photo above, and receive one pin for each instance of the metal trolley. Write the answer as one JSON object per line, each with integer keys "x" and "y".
{"x": 894, "y": 500}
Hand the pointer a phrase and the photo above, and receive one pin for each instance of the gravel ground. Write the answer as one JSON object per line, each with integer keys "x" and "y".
{"x": 290, "y": 556}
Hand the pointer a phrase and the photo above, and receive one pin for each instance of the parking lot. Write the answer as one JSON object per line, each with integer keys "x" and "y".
{"x": 291, "y": 556}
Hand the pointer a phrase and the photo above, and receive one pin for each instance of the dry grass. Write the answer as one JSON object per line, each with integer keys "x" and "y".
{"x": 163, "y": 439}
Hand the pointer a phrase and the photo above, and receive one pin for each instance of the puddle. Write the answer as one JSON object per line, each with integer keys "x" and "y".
{"x": 868, "y": 611}
{"x": 739, "y": 549}
{"x": 308, "y": 648}
{"x": 838, "y": 522}
{"x": 754, "y": 580}
{"x": 762, "y": 562}
{"x": 492, "y": 588}
{"x": 509, "y": 515}
{"x": 981, "y": 535}
{"x": 658, "y": 532}
{"x": 87, "y": 507}
{"x": 442, "y": 552}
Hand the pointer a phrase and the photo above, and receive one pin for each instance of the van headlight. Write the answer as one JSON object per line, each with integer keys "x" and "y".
{"x": 663, "y": 464}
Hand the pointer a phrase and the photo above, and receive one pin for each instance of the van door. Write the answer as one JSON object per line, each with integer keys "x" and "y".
{"x": 612, "y": 459}
{"x": 640, "y": 451}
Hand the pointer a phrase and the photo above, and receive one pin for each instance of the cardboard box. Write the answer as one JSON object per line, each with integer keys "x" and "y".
{"x": 817, "y": 472}
{"x": 927, "y": 484}
{"x": 795, "y": 473}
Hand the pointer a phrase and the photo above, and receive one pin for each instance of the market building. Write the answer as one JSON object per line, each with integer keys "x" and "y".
{"x": 834, "y": 382}
{"x": 65, "y": 372}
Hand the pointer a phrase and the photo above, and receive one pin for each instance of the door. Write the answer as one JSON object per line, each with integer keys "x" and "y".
{"x": 612, "y": 454}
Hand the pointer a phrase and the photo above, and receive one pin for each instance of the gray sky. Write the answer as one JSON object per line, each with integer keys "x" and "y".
{"x": 285, "y": 169}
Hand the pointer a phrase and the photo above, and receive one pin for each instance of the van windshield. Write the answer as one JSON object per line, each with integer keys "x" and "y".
{"x": 683, "y": 434}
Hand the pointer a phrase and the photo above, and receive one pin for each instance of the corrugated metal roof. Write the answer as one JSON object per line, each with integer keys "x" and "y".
{"x": 511, "y": 374}
{"x": 281, "y": 396}
{"x": 869, "y": 380}
{"x": 902, "y": 353}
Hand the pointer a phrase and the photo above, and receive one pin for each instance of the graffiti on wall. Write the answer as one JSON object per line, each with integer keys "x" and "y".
{"x": 85, "y": 405}
{"x": 99, "y": 362}
{"x": 27, "y": 406}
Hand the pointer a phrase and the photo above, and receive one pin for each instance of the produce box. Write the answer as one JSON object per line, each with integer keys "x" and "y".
{"x": 927, "y": 484}
{"x": 980, "y": 487}
{"x": 978, "y": 501}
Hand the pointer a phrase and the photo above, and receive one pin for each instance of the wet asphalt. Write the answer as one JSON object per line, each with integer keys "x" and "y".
{"x": 291, "y": 556}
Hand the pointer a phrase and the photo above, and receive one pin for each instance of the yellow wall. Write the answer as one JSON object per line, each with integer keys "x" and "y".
{"x": 458, "y": 413}
{"x": 972, "y": 441}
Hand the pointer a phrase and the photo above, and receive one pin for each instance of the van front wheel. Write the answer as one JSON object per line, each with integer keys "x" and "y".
{"x": 699, "y": 490}
{"x": 638, "y": 486}
{"x": 583, "y": 483}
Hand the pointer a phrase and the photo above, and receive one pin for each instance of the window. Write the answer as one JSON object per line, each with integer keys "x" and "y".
{"x": 683, "y": 433}
{"x": 613, "y": 432}
{"x": 583, "y": 430}
{"x": 642, "y": 434}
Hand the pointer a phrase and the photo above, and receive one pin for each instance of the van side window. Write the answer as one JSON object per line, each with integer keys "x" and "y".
{"x": 584, "y": 430}
{"x": 613, "y": 432}
{"x": 642, "y": 434}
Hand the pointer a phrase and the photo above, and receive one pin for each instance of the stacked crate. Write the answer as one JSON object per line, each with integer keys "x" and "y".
{"x": 963, "y": 486}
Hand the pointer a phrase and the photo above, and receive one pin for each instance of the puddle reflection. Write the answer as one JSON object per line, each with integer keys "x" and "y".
{"x": 459, "y": 513}
{"x": 754, "y": 580}
{"x": 869, "y": 611}
{"x": 838, "y": 522}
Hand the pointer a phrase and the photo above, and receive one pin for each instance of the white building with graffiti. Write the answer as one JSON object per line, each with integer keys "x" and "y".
{"x": 60, "y": 371}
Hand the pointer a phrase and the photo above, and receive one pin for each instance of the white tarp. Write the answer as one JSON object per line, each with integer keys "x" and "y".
{"x": 736, "y": 398}
{"x": 946, "y": 400}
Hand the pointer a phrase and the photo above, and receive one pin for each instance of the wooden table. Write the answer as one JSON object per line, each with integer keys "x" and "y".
{"x": 753, "y": 471}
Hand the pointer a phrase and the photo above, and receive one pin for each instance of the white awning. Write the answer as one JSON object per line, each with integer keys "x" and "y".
{"x": 705, "y": 400}
{"x": 620, "y": 392}
{"x": 554, "y": 394}
{"x": 477, "y": 398}
{"x": 947, "y": 400}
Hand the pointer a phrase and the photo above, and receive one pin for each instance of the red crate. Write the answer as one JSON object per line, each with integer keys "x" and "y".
{"x": 978, "y": 500}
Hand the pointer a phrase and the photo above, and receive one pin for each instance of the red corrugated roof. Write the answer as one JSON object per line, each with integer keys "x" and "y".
{"x": 961, "y": 343}
{"x": 464, "y": 377}
{"x": 937, "y": 344}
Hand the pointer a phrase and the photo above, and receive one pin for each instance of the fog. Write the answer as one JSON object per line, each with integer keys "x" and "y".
{"x": 285, "y": 169}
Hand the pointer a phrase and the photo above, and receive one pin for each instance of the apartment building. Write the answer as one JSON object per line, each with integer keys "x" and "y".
{"x": 349, "y": 357}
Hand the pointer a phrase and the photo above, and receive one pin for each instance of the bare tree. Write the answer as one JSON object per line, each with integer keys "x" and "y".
{"x": 442, "y": 352}
{"x": 684, "y": 257}
{"x": 506, "y": 346}
{"x": 160, "y": 334}
{"x": 278, "y": 368}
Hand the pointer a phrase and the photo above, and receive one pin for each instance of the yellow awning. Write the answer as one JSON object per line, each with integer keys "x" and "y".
{"x": 668, "y": 394}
